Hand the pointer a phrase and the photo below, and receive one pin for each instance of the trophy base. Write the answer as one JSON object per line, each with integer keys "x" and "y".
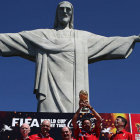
{"x": 85, "y": 109}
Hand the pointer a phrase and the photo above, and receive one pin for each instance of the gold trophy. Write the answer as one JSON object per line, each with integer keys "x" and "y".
{"x": 83, "y": 95}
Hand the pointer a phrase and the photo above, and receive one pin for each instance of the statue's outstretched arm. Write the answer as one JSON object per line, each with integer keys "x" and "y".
{"x": 12, "y": 44}
{"x": 107, "y": 48}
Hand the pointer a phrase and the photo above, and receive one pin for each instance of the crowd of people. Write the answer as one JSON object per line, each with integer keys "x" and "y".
{"x": 87, "y": 132}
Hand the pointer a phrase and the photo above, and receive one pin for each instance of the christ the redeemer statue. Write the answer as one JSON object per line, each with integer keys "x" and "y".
{"x": 62, "y": 55}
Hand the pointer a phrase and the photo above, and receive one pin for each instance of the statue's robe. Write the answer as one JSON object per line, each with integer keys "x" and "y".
{"x": 62, "y": 59}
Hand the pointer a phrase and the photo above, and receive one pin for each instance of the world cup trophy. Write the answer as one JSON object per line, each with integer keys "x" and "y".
{"x": 83, "y": 95}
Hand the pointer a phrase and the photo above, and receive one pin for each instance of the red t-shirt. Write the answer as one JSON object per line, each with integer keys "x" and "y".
{"x": 122, "y": 135}
{"x": 39, "y": 136}
{"x": 83, "y": 135}
{"x": 73, "y": 139}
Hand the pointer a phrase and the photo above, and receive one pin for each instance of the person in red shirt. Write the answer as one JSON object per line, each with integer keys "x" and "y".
{"x": 44, "y": 134}
{"x": 66, "y": 133}
{"x": 87, "y": 132}
{"x": 121, "y": 133}
{"x": 25, "y": 130}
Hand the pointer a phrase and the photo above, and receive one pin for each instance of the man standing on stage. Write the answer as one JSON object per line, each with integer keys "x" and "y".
{"x": 44, "y": 134}
{"x": 87, "y": 131}
{"x": 121, "y": 133}
{"x": 25, "y": 130}
{"x": 66, "y": 134}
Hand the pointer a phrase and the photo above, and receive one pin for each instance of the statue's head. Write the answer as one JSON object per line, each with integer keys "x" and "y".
{"x": 64, "y": 15}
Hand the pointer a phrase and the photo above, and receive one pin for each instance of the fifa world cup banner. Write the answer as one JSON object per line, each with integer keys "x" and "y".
{"x": 10, "y": 123}
{"x": 135, "y": 125}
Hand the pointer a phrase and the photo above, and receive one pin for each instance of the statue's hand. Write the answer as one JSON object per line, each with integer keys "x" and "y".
{"x": 137, "y": 38}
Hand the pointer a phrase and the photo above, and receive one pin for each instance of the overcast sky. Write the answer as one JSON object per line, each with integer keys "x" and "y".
{"x": 114, "y": 84}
